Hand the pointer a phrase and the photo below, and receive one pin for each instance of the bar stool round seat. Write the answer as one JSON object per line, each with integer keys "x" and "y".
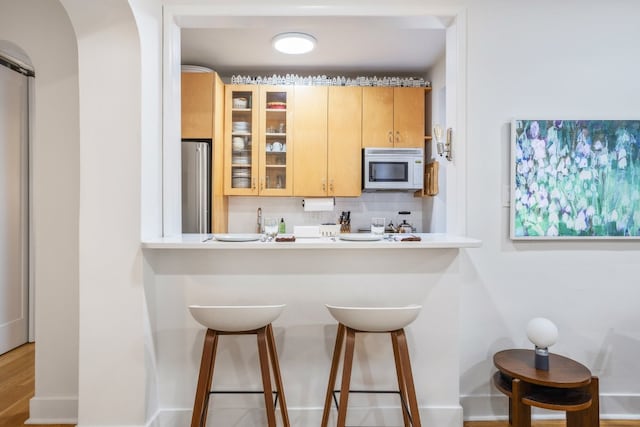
{"x": 353, "y": 320}
{"x": 375, "y": 319}
{"x": 235, "y": 318}
{"x": 239, "y": 320}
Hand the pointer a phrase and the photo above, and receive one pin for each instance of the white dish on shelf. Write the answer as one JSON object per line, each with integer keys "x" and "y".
{"x": 361, "y": 237}
{"x": 238, "y": 143}
{"x": 241, "y": 173}
{"x": 240, "y": 182}
{"x": 240, "y": 160}
{"x": 237, "y": 237}
{"x": 240, "y": 103}
{"x": 240, "y": 126}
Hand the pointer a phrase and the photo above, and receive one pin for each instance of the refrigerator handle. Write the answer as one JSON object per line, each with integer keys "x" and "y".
{"x": 204, "y": 187}
{"x": 203, "y": 193}
{"x": 200, "y": 190}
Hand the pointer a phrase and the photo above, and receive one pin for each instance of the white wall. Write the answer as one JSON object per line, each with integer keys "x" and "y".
{"x": 148, "y": 17}
{"x": 547, "y": 60}
{"x": 305, "y": 332}
{"x": 113, "y": 378}
{"x": 44, "y": 32}
{"x": 434, "y": 208}
{"x": 575, "y": 59}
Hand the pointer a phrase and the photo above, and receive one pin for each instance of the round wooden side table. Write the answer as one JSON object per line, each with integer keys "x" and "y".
{"x": 567, "y": 386}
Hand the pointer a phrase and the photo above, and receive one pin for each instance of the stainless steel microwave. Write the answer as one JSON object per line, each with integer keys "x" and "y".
{"x": 399, "y": 169}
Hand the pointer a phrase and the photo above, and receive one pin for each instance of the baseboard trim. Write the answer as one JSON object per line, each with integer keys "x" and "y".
{"x": 64, "y": 410}
{"x": 53, "y": 410}
{"x": 494, "y": 407}
{"x": 441, "y": 416}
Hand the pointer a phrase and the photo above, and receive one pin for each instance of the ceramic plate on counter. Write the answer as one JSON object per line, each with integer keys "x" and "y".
{"x": 237, "y": 237}
{"x": 360, "y": 237}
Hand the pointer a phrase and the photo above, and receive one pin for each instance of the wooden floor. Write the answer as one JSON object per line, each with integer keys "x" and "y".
{"x": 17, "y": 386}
{"x": 560, "y": 423}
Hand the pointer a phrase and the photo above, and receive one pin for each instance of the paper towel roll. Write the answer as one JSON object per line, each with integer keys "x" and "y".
{"x": 318, "y": 204}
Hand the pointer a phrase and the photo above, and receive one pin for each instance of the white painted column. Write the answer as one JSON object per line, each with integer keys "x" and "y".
{"x": 112, "y": 376}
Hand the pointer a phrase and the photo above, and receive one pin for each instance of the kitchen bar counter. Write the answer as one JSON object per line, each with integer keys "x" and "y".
{"x": 201, "y": 241}
{"x": 305, "y": 275}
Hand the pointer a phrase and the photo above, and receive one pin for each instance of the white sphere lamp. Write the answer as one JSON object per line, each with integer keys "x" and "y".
{"x": 542, "y": 333}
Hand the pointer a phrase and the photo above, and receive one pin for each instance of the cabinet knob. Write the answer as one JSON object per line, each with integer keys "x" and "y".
{"x": 253, "y": 183}
{"x": 324, "y": 185}
{"x": 331, "y": 186}
{"x": 397, "y": 137}
{"x": 390, "y": 137}
{"x": 261, "y": 184}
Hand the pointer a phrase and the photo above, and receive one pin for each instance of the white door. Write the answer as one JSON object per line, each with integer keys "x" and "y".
{"x": 14, "y": 204}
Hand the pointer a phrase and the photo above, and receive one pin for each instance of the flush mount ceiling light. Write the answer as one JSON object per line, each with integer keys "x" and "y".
{"x": 294, "y": 43}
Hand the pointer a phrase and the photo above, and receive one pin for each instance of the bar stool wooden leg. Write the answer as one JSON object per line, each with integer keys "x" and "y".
{"x": 276, "y": 373}
{"x": 335, "y": 362}
{"x": 403, "y": 349}
{"x": 402, "y": 386}
{"x": 266, "y": 377}
{"x": 346, "y": 376}
{"x": 201, "y": 404}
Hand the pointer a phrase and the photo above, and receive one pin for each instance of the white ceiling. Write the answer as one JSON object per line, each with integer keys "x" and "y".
{"x": 399, "y": 45}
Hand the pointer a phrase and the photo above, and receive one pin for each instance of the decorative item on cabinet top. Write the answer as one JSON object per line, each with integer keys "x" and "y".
{"x": 323, "y": 80}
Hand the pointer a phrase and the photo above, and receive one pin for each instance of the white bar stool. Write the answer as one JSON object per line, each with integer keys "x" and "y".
{"x": 239, "y": 320}
{"x": 391, "y": 320}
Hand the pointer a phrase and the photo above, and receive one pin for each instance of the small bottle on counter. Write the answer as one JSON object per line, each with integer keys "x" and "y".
{"x": 282, "y": 228}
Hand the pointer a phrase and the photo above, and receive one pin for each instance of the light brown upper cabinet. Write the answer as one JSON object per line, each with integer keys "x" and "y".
{"x": 345, "y": 141}
{"x": 393, "y": 117}
{"x": 197, "y": 105}
{"x": 310, "y": 132}
{"x": 327, "y": 130}
{"x": 258, "y": 143}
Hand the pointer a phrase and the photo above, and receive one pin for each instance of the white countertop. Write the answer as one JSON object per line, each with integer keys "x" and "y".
{"x": 204, "y": 241}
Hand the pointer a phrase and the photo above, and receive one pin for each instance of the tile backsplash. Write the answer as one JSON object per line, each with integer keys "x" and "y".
{"x": 243, "y": 211}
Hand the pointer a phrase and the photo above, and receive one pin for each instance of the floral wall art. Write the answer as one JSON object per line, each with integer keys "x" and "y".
{"x": 575, "y": 179}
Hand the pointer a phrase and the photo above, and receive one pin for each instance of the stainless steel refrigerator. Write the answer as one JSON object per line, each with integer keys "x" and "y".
{"x": 196, "y": 186}
{"x": 14, "y": 205}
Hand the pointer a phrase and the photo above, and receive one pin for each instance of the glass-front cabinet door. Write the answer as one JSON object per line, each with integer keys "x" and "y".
{"x": 258, "y": 143}
{"x": 242, "y": 171}
{"x": 275, "y": 143}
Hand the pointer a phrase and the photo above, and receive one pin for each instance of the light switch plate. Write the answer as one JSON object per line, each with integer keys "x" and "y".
{"x": 506, "y": 196}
